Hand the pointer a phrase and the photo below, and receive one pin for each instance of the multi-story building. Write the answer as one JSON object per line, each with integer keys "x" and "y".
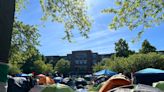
{"x": 81, "y": 61}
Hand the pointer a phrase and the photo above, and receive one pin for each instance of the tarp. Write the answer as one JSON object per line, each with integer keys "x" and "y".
{"x": 22, "y": 75}
{"x": 105, "y": 72}
{"x": 150, "y": 70}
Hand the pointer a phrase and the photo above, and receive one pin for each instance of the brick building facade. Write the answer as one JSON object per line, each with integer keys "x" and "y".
{"x": 81, "y": 61}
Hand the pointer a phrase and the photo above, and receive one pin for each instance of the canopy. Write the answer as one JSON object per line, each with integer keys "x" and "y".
{"x": 105, "y": 72}
{"x": 149, "y": 75}
{"x": 150, "y": 70}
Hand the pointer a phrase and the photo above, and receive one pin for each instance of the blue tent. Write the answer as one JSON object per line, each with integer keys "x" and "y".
{"x": 22, "y": 75}
{"x": 105, "y": 72}
{"x": 150, "y": 70}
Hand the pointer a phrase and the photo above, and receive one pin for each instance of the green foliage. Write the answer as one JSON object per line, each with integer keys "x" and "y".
{"x": 71, "y": 13}
{"x": 98, "y": 67}
{"x": 36, "y": 64}
{"x": 136, "y": 13}
{"x": 147, "y": 47}
{"x": 122, "y": 48}
{"x": 23, "y": 42}
{"x": 63, "y": 66}
{"x": 41, "y": 67}
{"x": 20, "y": 4}
{"x": 135, "y": 62}
{"x": 14, "y": 69}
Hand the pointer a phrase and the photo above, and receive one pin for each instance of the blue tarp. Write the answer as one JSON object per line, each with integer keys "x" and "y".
{"x": 105, "y": 72}
{"x": 150, "y": 70}
{"x": 22, "y": 75}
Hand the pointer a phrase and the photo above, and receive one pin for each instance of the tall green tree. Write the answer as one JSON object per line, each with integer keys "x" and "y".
{"x": 28, "y": 65}
{"x": 23, "y": 43}
{"x": 63, "y": 66}
{"x": 36, "y": 63}
{"x": 147, "y": 47}
{"x": 122, "y": 48}
{"x": 136, "y": 13}
{"x": 72, "y": 13}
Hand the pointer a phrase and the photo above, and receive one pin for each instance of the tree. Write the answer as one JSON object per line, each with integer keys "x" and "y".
{"x": 63, "y": 66}
{"x": 121, "y": 48}
{"x": 14, "y": 69}
{"x": 134, "y": 62}
{"x": 37, "y": 64}
{"x": 147, "y": 47}
{"x": 72, "y": 13}
{"x": 136, "y": 13}
{"x": 28, "y": 65}
{"x": 23, "y": 43}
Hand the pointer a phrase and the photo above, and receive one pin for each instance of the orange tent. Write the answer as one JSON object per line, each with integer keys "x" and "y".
{"x": 45, "y": 80}
{"x": 115, "y": 81}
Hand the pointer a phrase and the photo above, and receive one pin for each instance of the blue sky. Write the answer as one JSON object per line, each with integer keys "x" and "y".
{"x": 101, "y": 39}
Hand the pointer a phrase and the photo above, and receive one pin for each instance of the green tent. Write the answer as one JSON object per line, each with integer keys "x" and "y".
{"x": 58, "y": 88}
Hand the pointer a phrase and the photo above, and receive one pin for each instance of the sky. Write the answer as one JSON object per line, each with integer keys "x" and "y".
{"x": 101, "y": 38}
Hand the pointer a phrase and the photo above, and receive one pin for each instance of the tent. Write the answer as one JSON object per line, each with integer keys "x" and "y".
{"x": 51, "y": 88}
{"x": 115, "y": 81}
{"x": 58, "y": 79}
{"x": 22, "y": 75}
{"x": 105, "y": 72}
{"x": 150, "y": 70}
{"x": 148, "y": 76}
{"x": 41, "y": 75}
{"x": 45, "y": 81}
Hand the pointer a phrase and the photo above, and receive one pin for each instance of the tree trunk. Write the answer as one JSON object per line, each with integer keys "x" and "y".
{"x": 7, "y": 9}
